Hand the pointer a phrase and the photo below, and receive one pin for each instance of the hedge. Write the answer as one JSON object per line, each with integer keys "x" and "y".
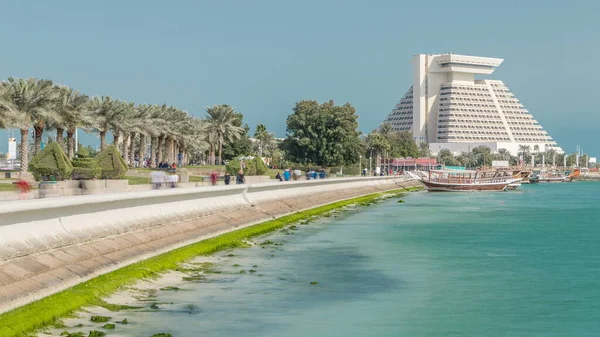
{"x": 85, "y": 168}
{"x": 111, "y": 164}
{"x": 253, "y": 167}
{"x": 51, "y": 163}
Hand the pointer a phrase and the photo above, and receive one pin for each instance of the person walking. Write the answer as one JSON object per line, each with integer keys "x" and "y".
{"x": 24, "y": 187}
{"x": 157, "y": 179}
{"x": 240, "y": 179}
{"x": 227, "y": 178}
{"x": 287, "y": 175}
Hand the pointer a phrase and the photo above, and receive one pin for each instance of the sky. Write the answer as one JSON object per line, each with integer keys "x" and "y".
{"x": 263, "y": 56}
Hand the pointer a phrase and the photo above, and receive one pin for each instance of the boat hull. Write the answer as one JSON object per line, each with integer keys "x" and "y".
{"x": 447, "y": 187}
{"x": 555, "y": 180}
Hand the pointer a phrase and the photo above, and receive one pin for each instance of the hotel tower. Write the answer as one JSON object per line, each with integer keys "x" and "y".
{"x": 448, "y": 108}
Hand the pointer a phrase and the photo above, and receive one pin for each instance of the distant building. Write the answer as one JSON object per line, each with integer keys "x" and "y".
{"x": 448, "y": 108}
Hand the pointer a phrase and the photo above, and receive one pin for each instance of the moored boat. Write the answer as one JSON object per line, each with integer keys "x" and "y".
{"x": 466, "y": 181}
{"x": 552, "y": 177}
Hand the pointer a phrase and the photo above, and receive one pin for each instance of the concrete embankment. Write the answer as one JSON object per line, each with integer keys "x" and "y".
{"x": 49, "y": 245}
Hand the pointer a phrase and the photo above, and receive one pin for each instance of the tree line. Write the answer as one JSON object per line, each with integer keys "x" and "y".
{"x": 483, "y": 156}
{"x": 42, "y": 105}
{"x": 317, "y": 134}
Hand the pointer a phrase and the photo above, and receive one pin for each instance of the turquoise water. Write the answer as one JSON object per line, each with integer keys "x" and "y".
{"x": 522, "y": 263}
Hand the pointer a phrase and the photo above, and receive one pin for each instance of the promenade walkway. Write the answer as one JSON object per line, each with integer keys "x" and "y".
{"x": 28, "y": 273}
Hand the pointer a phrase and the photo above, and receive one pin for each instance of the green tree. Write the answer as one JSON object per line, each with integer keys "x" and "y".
{"x": 403, "y": 145}
{"x": 322, "y": 134}
{"x": 71, "y": 105}
{"x": 376, "y": 143}
{"x": 263, "y": 138}
{"x": 221, "y": 120}
{"x": 468, "y": 159}
{"x": 386, "y": 129}
{"x": 106, "y": 113}
{"x": 424, "y": 151}
{"x": 503, "y": 154}
{"x": 242, "y": 146}
{"x": 27, "y": 103}
{"x": 446, "y": 157}
{"x": 483, "y": 154}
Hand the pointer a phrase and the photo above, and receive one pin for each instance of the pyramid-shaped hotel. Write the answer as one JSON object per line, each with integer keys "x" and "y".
{"x": 448, "y": 108}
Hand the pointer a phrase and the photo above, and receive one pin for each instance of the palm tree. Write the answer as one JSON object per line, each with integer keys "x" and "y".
{"x": 376, "y": 142}
{"x": 27, "y": 103}
{"x": 523, "y": 149}
{"x": 503, "y": 154}
{"x": 468, "y": 159}
{"x": 138, "y": 124}
{"x": 72, "y": 108}
{"x": 9, "y": 116}
{"x": 551, "y": 155}
{"x": 263, "y": 137}
{"x": 221, "y": 120}
{"x": 386, "y": 129}
{"x": 105, "y": 112}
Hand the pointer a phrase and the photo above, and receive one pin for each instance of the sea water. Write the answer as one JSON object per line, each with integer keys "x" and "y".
{"x": 518, "y": 263}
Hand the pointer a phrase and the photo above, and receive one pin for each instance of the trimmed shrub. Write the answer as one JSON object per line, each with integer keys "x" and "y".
{"x": 51, "y": 163}
{"x": 85, "y": 168}
{"x": 254, "y": 167}
{"x": 83, "y": 152}
{"x": 111, "y": 164}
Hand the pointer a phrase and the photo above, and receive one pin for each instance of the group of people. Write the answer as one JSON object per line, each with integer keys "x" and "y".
{"x": 164, "y": 165}
{"x": 296, "y": 174}
{"x": 239, "y": 178}
{"x": 160, "y": 179}
{"x": 382, "y": 173}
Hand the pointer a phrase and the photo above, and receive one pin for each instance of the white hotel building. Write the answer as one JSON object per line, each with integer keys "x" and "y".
{"x": 449, "y": 109}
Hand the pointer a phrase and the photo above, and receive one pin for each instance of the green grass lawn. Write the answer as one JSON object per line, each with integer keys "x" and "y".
{"x": 7, "y": 187}
{"x": 138, "y": 180}
{"x": 206, "y": 167}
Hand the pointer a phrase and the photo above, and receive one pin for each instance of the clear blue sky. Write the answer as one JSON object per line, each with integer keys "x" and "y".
{"x": 263, "y": 56}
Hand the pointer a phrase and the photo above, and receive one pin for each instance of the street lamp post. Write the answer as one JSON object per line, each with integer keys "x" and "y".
{"x": 360, "y": 164}
{"x": 370, "y": 165}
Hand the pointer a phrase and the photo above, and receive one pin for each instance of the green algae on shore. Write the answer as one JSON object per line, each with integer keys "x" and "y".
{"x": 100, "y": 319}
{"x": 41, "y": 313}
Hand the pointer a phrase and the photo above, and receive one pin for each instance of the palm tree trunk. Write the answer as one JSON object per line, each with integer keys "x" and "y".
{"x": 70, "y": 144}
{"x": 102, "y": 140}
{"x": 167, "y": 153}
{"x": 116, "y": 139}
{"x": 142, "y": 148}
{"x": 126, "y": 142}
{"x": 59, "y": 137}
{"x": 24, "y": 149}
{"x": 160, "y": 148}
{"x": 131, "y": 148}
{"x": 220, "y": 152}
{"x": 39, "y": 131}
{"x": 211, "y": 156}
{"x": 182, "y": 152}
{"x": 172, "y": 150}
{"x": 153, "y": 151}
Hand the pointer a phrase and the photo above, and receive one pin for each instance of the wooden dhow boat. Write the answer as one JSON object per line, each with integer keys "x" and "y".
{"x": 466, "y": 181}
{"x": 553, "y": 177}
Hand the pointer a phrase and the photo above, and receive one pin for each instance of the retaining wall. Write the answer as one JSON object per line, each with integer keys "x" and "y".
{"x": 49, "y": 245}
